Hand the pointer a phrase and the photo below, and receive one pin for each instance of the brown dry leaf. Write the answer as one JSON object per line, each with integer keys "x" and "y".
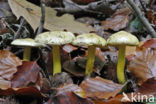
{"x": 71, "y": 87}
{"x": 32, "y": 14}
{"x": 71, "y": 67}
{"x": 69, "y": 94}
{"x": 69, "y": 48}
{"x": 27, "y": 73}
{"x": 8, "y": 66}
{"x": 150, "y": 43}
{"x": 151, "y": 16}
{"x": 61, "y": 79}
{"x": 114, "y": 100}
{"x": 98, "y": 88}
{"x": 130, "y": 50}
{"x": 100, "y": 54}
{"x": 148, "y": 87}
{"x": 143, "y": 62}
{"x": 119, "y": 20}
{"x": 24, "y": 83}
{"x": 27, "y": 91}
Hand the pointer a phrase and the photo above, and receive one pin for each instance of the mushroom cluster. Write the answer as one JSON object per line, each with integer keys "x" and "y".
{"x": 56, "y": 38}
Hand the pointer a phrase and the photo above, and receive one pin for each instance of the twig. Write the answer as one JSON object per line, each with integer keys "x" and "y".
{"x": 142, "y": 18}
{"x": 40, "y": 29}
{"x": 6, "y": 23}
{"x": 17, "y": 34}
{"x": 42, "y": 20}
{"x": 93, "y": 7}
{"x": 143, "y": 7}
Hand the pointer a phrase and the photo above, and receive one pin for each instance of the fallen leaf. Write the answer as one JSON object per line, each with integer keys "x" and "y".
{"x": 27, "y": 73}
{"x": 61, "y": 79}
{"x": 148, "y": 87}
{"x": 71, "y": 67}
{"x": 19, "y": 78}
{"x": 27, "y": 91}
{"x": 151, "y": 17}
{"x": 8, "y": 66}
{"x": 119, "y": 20}
{"x": 32, "y": 14}
{"x": 130, "y": 50}
{"x": 69, "y": 48}
{"x": 151, "y": 43}
{"x": 4, "y": 9}
{"x": 71, "y": 87}
{"x": 143, "y": 62}
{"x": 69, "y": 94}
{"x": 98, "y": 88}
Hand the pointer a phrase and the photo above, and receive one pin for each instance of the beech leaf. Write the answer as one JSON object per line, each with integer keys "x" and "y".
{"x": 118, "y": 21}
{"x": 143, "y": 62}
{"x": 32, "y": 14}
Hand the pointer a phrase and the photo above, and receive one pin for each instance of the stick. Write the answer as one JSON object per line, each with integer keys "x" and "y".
{"x": 42, "y": 20}
{"x": 142, "y": 18}
{"x": 17, "y": 34}
{"x": 93, "y": 7}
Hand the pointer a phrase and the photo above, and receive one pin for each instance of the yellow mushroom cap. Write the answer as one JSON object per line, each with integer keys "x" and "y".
{"x": 55, "y": 37}
{"x": 122, "y": 38}
{"x": 27, "y": 42}
{"x": 89, "y": 39}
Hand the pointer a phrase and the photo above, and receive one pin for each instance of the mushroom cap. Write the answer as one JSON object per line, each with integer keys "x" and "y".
{"x": 27, "y": 42}
{"x": 89, "y": 39}
{"x": 55, "y": 37}
{"x": 122, "y": 38}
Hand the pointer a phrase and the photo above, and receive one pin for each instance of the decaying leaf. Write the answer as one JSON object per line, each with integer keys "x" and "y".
{"x": 8, "y": 66}
{"x": 27, "y": 91}
{"x": 61, "y": 79}
{"x": 16, "y": 76}
{"x": 150, "y": 43}
{"x": 69, "y": 94}
{"x": 71, "y": 67}
{"x": 27, "y": 73}
{"x": 130, "y": 50}
{"x": 151, "y": 17}
{"x": 119, "y": 20}
{"x": 32, "y": 14}
{"x": 98, "y": 88}
{"x": 69, "y": 48}
{"x": 143, "y": 62}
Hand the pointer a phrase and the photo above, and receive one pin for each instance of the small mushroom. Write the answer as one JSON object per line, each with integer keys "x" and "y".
{"x": 27, "y": 43}
{"x": 91, "y": 40}
{"x": 121, "y": 40}
{"x": 55, "y": 39}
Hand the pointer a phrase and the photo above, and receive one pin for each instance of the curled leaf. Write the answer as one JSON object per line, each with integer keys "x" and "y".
{"x": 143, "y": 62}
{"x": 119, "y": 20}
{"x": 98, "y": 88}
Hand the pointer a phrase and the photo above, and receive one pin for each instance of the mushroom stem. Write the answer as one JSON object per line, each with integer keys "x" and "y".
{"x": 90, "y": 61}
{"x": 121, "y": 65}
{"x": 27, "y": 53}
{"x": 56, "y": 59}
